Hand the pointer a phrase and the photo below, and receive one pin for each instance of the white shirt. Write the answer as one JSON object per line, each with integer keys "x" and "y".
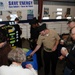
{"x": 16, "y": 70}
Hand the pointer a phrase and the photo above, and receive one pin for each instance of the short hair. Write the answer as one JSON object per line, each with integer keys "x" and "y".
{"x": 16, "y": 19}
{"x": 17, "y": 55}
{"x": 71, "y": 20}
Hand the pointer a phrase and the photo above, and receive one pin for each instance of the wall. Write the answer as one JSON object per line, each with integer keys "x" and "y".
{"x": 60, "y": 27}
{"x": 52, "y": 11}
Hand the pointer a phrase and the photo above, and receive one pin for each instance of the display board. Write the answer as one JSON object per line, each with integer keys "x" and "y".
{"x": 13, "y": 34}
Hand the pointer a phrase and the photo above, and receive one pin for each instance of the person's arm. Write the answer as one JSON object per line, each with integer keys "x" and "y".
{"x": 71, "y": 58}
{"x": 29, "y": 66}
{"x": 2, "y": 44}
{"x": 57, "y": 38}
{"x": 36, "y": 49}
{"x": 55, "y": 46}
{"x": 61, "y": 57}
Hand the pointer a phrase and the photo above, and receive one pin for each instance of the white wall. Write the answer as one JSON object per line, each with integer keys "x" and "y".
{"x": 5, "y": 14}
{"x": 60, "y": 27}
{"x": 25, "y": 30}
{"x": 52, "y": 11}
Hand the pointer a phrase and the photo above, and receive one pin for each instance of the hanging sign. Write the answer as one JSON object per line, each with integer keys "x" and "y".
{"x": 16, "y": 4}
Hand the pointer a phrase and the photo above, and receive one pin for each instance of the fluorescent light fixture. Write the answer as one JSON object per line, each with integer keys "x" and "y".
{"x": 68, "y": 17}
{"x": 59, "y": 13}
{"x": 45, "y": 18}
{"x": 59, "y": 9}
{"x": 59, "y": 17}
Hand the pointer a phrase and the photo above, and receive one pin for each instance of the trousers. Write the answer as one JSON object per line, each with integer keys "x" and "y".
{"x": 67, "y": 71}
{"x": 50, "y": 60}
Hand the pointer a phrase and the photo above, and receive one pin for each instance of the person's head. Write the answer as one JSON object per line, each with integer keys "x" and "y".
{"x": 42, "y": 29}
{"x": 16, "y": 20}
{"x": 72, "y": 32}
{"x": 62, "y": 41}
{"x": 17, "y": 55}
{"x": 71, "y": 23}
{"x": 34, "y": 22}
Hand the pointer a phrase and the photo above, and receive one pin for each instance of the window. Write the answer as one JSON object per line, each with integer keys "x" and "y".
{"x": 59, "y": 13}
{"x": 69, "y": 17}
{"x": 46, "y": 18}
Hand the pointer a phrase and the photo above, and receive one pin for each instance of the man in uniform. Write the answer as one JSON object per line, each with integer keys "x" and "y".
{"x": 50, "y": 40}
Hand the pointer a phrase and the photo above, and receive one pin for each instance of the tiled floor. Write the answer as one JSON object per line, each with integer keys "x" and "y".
{"x": 60, "y": 64}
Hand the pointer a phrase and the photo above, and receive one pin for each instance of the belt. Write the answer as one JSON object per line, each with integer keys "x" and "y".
{"x": 49, "y": 49}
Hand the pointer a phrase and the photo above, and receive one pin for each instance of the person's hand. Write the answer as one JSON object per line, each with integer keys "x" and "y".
{"x": 2, "y": 44}
{"x": 54, "y": 48}
{"x": 64, "y": 52}
{"x": 29, "y": 66}
{"x": 61, "y": 57}
{"x": 32, "y": 53}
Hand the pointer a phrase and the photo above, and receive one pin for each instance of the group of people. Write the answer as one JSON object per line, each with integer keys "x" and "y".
{"x": 70, "y": 54}
{"x": 44, "y": 39}
{"x": 50, "y": 40}
{"x": 17, "y": 56}
{"x": 11, "y": 58}
{"x": 5, "y": 46}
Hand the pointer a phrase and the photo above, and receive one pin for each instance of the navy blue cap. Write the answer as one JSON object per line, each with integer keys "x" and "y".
{"x": 42, "y": 27}
{"x": 33, "y": 21}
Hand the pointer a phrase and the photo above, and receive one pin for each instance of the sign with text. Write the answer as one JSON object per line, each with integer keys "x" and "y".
{"x": 16, "y": 4}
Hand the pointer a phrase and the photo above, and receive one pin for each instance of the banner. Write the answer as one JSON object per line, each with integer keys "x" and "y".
{"x": 16, "y": 4}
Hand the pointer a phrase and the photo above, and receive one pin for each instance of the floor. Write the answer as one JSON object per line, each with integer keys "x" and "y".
{"x": 60, "y": 64}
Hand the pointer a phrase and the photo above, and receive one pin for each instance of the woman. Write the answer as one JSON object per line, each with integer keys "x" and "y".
{"x": 17, "y": 56}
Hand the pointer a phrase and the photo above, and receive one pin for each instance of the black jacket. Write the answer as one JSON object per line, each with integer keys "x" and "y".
{"x": 70, "y": 61}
